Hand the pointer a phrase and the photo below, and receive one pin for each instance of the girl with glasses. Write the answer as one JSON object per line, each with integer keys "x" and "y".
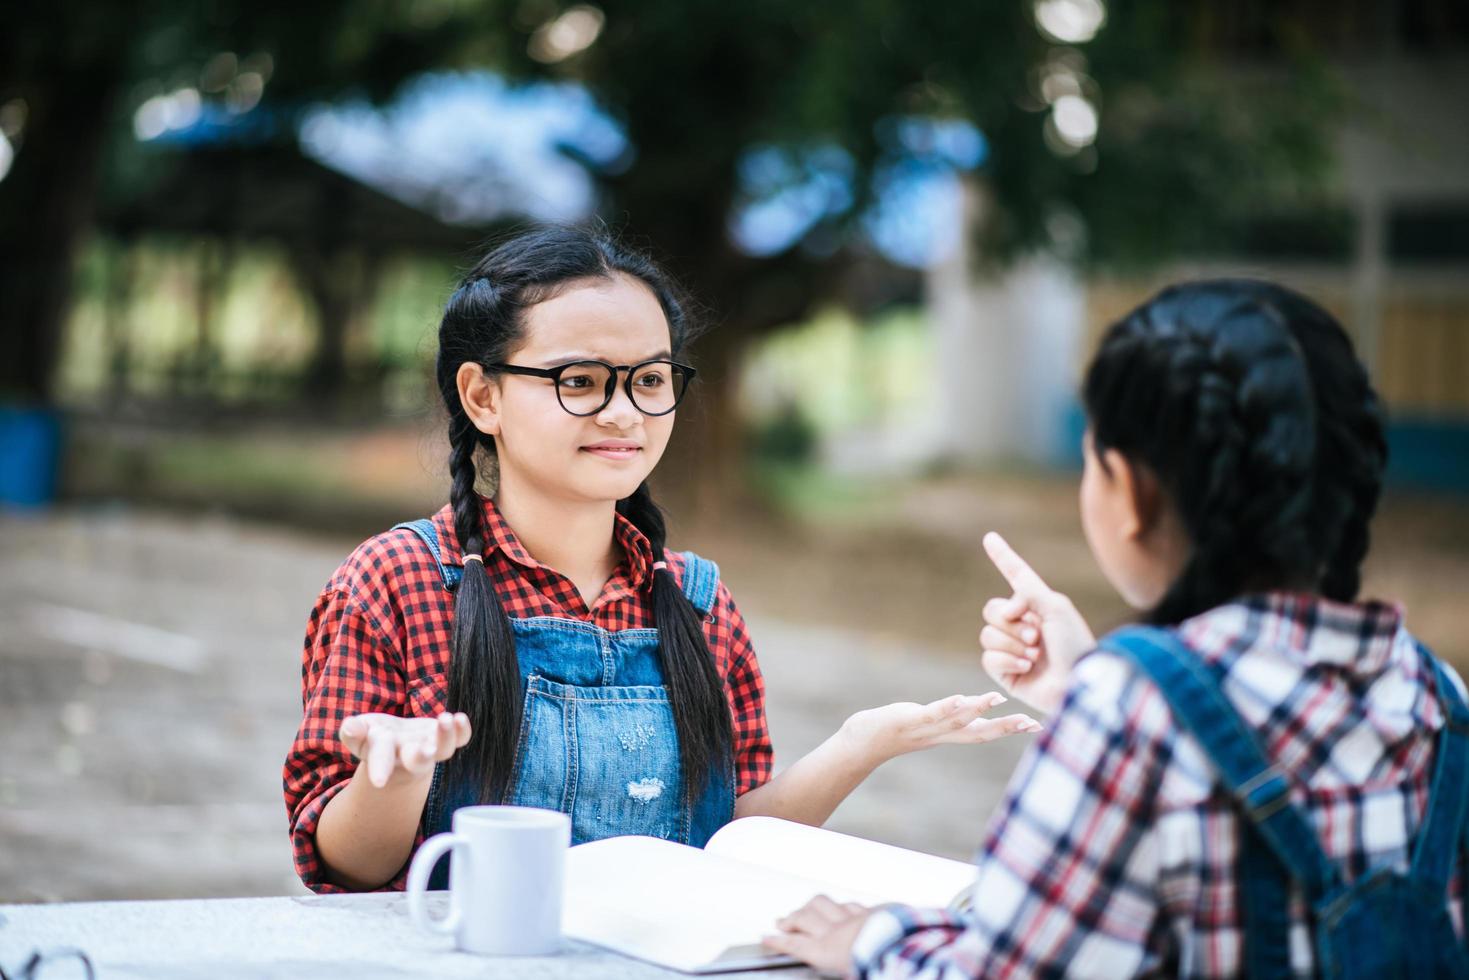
{"x": 540, "y": 645}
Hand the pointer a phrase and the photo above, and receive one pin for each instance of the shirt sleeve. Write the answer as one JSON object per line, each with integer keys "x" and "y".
{"x": 754, "y": 757}
{"x": 1067, "y": 877}
{"x": 348, "y": 667}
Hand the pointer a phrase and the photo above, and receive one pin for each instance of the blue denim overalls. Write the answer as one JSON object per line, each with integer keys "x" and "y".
{"x": 1385, "y": 924}
{"x": 597, "y": 739}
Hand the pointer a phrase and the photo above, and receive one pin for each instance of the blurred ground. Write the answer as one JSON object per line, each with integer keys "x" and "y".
{"x": 149, "y": 658}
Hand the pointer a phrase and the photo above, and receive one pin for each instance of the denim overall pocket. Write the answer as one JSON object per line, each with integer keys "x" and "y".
{"x": 608, "y": 756}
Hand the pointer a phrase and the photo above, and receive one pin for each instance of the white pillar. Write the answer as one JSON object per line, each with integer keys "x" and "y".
{"x": 973, "y": 369}
{"x": 1006, "y": 348}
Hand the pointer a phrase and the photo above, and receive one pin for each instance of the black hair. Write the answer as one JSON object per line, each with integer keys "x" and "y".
{"x": 484, "y": 321}
{"x": 1248, "y": 404}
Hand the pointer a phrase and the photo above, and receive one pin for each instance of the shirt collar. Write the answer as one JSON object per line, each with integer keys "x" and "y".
{"x": 1356, "y": 636}
{"x": 636, "y": 549}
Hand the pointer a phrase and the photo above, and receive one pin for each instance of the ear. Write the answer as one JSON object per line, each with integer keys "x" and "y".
{"x": 480, "y": 396}
{"x": 1137, "y": 492}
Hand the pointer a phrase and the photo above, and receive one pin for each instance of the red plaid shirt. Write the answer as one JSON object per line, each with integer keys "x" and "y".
{"x": 1114, "y": 853}
{"x": 379, "y": 637}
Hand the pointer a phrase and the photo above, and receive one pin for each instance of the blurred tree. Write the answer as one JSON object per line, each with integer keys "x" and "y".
{"x": 1181, "y": 141}
{"x": 71, "y": 81}
{"x": 1108, "y": 132}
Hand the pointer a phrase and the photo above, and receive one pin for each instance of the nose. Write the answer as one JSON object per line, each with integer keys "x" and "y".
{"x": 620, "y": 412}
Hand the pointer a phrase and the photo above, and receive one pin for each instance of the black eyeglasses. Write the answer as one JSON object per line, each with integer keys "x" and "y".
{"x": 64, "y": 962}
{"x": 586, "y": 387}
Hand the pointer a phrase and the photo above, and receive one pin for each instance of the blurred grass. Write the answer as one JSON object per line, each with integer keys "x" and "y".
{"x": 802, "y": 492}
{"x": 340, "y": 481}
{"x": 899, "y": 557}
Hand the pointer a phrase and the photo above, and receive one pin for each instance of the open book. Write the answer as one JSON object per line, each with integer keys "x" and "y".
{"x": 705, "y": 911}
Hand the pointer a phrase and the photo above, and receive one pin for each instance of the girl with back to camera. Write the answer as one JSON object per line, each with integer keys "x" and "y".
{"x": 541, "y": 646}
{"x": 1270, "y": 778}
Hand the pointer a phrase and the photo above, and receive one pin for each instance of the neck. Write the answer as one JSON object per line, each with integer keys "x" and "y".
{"x": 575, "y": 538}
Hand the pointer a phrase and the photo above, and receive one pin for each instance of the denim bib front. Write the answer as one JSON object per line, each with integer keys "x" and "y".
{"x": 597, "y": 739}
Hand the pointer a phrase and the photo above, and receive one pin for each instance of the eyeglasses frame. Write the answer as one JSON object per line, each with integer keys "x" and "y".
{"x": 27, "y": 970}
{"x": 554, "y": 374}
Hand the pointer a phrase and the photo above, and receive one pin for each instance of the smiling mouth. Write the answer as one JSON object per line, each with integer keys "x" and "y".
{"x": 613, "y": 452}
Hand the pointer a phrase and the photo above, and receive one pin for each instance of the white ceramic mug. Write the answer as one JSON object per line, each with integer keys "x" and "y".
{"x": 506, "y": 868}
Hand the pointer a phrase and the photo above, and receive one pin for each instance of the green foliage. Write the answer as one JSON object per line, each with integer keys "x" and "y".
{"x": 1186, "y": 142}
{"x": 1183, "y": 142}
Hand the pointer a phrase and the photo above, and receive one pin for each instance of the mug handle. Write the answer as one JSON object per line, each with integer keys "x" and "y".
{"x": 418, "y": 874}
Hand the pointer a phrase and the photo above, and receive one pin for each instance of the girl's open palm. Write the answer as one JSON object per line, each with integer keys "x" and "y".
{"x": 895, "y": 729}
{"x": 399, "y": 749}
{"x": 1031, "y": 639}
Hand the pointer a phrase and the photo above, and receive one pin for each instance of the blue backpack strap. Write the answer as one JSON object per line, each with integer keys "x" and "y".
{"x": 700, "y": 582}
{"x": 425, "y": 529}
{"x": 1444, "y": 824}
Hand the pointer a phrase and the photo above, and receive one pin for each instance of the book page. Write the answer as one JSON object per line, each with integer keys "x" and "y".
{"x": 845, "y": 863}
{"x": 681, "y": 907}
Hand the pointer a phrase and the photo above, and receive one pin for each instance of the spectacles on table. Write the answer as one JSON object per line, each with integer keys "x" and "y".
{"x": 586, "y": 387}
{"x": 62, "y": 963}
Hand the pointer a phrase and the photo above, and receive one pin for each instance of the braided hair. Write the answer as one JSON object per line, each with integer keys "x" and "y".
{"x": 1247, "y": 402}
{"x": 483, "y": 323}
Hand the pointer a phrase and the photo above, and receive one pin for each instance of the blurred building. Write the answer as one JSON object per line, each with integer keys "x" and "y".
{"x": 1388, "y": 253}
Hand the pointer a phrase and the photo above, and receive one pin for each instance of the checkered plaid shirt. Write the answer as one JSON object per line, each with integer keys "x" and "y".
{"x": 378, "y": 640}
{"x": 1114, "y": 851}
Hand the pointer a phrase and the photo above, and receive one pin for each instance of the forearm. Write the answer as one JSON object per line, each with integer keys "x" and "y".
{"x": 816, "y": 784}
{"x": 366, "y": 833}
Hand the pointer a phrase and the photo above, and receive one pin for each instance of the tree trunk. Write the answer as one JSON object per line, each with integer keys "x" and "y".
{"x": 46, "y": 204}
{"x": 341, "y": 287}
{"x": 703, "y": 471}
{"x": 122, "y": 273}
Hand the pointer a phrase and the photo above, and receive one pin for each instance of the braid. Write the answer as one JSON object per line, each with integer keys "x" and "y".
{"x": 484, "y": 672}
{"x": 695, "y": 691}
{"x": 1353, "y": 452}
{"x": 463, "y": 475}
{"x": 1212, "y": 569}
{"x": 1342, "y": 577}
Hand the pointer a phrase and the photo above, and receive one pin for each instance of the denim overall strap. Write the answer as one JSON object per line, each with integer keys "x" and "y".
{"x": 1455, "y": 714}
{"x": 1260, "y": 790}
{"x": 1444, "y": 824}
{"x": 425, "y": 529}
{"x": 700, "y": 582}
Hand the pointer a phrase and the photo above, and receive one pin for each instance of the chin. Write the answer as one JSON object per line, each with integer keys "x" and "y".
{"x": 614, "y": 490}
{"x": 1141, "y": 598}
{"x": 1136, "y": 594}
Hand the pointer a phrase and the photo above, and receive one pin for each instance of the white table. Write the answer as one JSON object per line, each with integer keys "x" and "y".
{"x": 360, "y": 937}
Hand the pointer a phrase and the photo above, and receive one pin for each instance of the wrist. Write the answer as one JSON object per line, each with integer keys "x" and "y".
{"x": 1051, "y": 696}
{"x": 863, "y": 743}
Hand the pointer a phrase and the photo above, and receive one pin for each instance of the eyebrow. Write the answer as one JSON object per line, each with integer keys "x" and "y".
{"x": 574, "y": 356}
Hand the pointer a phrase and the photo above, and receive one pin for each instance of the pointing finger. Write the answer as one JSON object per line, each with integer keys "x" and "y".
{"x": 1022, "y": 578}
